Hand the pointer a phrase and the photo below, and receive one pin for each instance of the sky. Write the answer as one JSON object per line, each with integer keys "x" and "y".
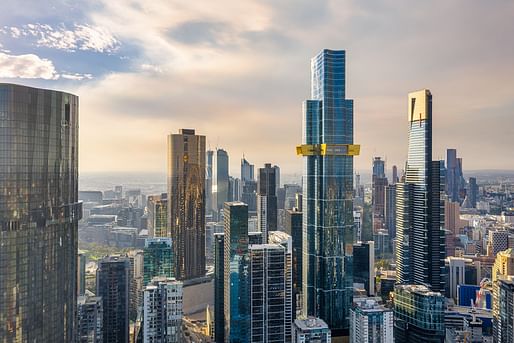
{"x": 238, "y": 72}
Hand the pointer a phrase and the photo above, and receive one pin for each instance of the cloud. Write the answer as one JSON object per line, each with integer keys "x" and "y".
{"x": 81, "y": 37}
{"x": 27, "y": 66}
{"x": 76, "y": 76}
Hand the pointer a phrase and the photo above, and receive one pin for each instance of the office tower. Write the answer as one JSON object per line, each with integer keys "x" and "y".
{"x": 219, "y": 286}
{"x": 209, "y": 157}
{"x": 220, "y": 179}
{"x": 271, "y": 292}
{"x": 249, "y": 195}
{"x": 267, "y": 200}
{"x": 455, "y": 183}
{"x": 370, "y": 322}
{"x": 39, "y": 212}
{"x": 364, "y": 265}
{"x": 473, "y": 192}
{"x": 234, "y": 189}
{"x": 378, "y": 194}
{"x": 418, "y": 315}
{"x": 461, "y": 271}
{"x": 503, "y": 264}
{"x": 236, "y": 287}
{"x": 328, "y": 152}
{"x": 277, "y": 178}
{"x": 157, "y": 223}
{"x": 503, "y": 310}
{"x": 186, "y": 206}
{"x": 390, "y": 210}
{"x": 291, "y": 190}
{"x": 420, "y": 235}
{"x": 112, "y": 285}
{"x": 136, "y": 282}
{"x": 158, "y": 258}
{"x": 498, "y": 241}
{"x": 293, "y": 227}
{"x": 81, "y": 274}
{"x": 247, "y": 170}
{"x": 89, "y": 320}
{"x": 311, "y": 330}
{"x": 395, "y": 175}
{"x": 162, "y": 311}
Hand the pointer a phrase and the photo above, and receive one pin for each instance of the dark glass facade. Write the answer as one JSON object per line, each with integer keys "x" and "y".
{"x": 420, "y": 209}
{"x": 219, "y": 286}
{"x": 158, "y": 259}
{"x": 267, "y": 200}
{"x": 39, "y": 212}
{"x": 186, "y": 202}
{"x": 328, "y": 194}
{"x": 236, "y": 289}
{"x": 293, "y": 228}
{"x": 112, "y": 284}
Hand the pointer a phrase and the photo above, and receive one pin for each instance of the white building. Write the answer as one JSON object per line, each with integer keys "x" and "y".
{"x": 162, "y": 311}
{"x": 311, "y": 330}
{"x": 370, "y": 322}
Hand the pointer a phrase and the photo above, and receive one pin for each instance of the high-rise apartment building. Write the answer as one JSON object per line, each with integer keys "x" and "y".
{"x": 327, "y": 149}
{"x": 420, "y": 250}
{"x": 270, "y": 292}
{"x": 247, "y": 170}
{"x": 418, "y": 315}
{"x": 158, "y": 258}
{"x": 112, "y": 285}
{"x": 267, "y": 200}
{"x": 157, "y": 222}
{"x": 39, "y": 214}
{"x": 186, "y": 202}
{"x": 162, "y": 311}
{"x": 311, "y": 330}
{"x": 236, "y": 283}
{"x": 371, "y": 322}
{"x": 503, "y": 310}
{"x": 220, "y": 179}
{"x": 89, "y": 320}
{"x": 293, "y": 228}
{"x": 378, "y": 194}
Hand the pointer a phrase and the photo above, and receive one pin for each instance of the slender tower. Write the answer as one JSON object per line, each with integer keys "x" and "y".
{"x": 420, "y": 210}
{"x": 328, "y": 152}
{"x": 186, "y": 202}
{"x": 39, "y": 213}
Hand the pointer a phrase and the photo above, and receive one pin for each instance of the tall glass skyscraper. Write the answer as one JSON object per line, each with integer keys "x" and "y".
{"x": 39, "y": 213}
{"x": 328, "y": 152}
{"x": 420, "y": 210}
{"x": 186, "y": 202}
{"x": 158, "y": 259}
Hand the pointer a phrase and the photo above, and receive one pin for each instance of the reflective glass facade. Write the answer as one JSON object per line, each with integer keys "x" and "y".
{"x": 420, "y": 210}
{"x": 39, "y": 212}
{"x": 186, "y": 202}
{"x": 158, "y": 259}
{"x": 236, "y": 290}
{"x": 327, "y": 195}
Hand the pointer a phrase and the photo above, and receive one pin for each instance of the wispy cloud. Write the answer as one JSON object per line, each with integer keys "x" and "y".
{"x": 76, "y": 76}
{"x": 27, "y": 66}
{"x": 80, "y": 37}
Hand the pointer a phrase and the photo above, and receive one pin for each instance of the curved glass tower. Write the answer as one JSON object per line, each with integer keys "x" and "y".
{"x": 39, "y": 214}
{"x": 328, "y": 152}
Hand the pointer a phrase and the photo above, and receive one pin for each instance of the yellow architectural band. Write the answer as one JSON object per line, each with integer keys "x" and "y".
{"x": 328, "y": 149}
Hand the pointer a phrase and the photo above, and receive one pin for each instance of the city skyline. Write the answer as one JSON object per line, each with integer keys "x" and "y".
{"x": 225, "y": 67}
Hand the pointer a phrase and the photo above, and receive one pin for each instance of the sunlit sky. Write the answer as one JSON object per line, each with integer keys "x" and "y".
{"x": 238, "y": 71}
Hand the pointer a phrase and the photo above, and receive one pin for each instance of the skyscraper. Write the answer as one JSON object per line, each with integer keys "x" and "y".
{"x": 236, "y": 287}
{"x": 247, "y": 170}
{"x": 112, "y": 284}
{"x": 39, "y": 213}
{"x": 293, "y": 228}
{"x": 81, "y": 274}
{"x": 328, "y": 152}
{"x": 157, "y": 223}
{"x": 371, "y": 322}
{"x": 420, "y": 251}
{"x": 158, "y": 258}
{"x": 89, "y": 320}
{"x": 390, "y": 210}
{"x": 219, "y": 287}
{"x": 378, "y": 194}
{"x": 364, "y": 265}
{"x": 209, "y": 157}
{"x": 503, "y": 310}
{"x": 473, "y": 191}
{"x": 162, "y": 311}
{"x": 455, "y": 183}
{"x": 220, "y": 179}
{"x": 267, "y": 200}
{"x": 311, "y": 330}
{"x": 186, "y": 202}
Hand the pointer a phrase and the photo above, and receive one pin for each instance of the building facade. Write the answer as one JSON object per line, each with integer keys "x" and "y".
{"x": 158, "y": 258}
{"x": 112, "y": 285}
{"x": 420, "y": 250}
{"x": 311, "y": 330}
{"x": 39, "y": 214}
{"x": 220, "y": 179}
{"x": 364, "y": 265}
{"x": 327, "y": 149}
{"x": 267, "y": 200}
{"x": 371, "y": 322}
{"x": 162, "y": 311}
{"x": 293, "y": 228}
{"x": 157, "y": 223}
{"x": 89, "y": 320}
{"x": 186, "y": 202}
{"x": 219, "y": 287}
